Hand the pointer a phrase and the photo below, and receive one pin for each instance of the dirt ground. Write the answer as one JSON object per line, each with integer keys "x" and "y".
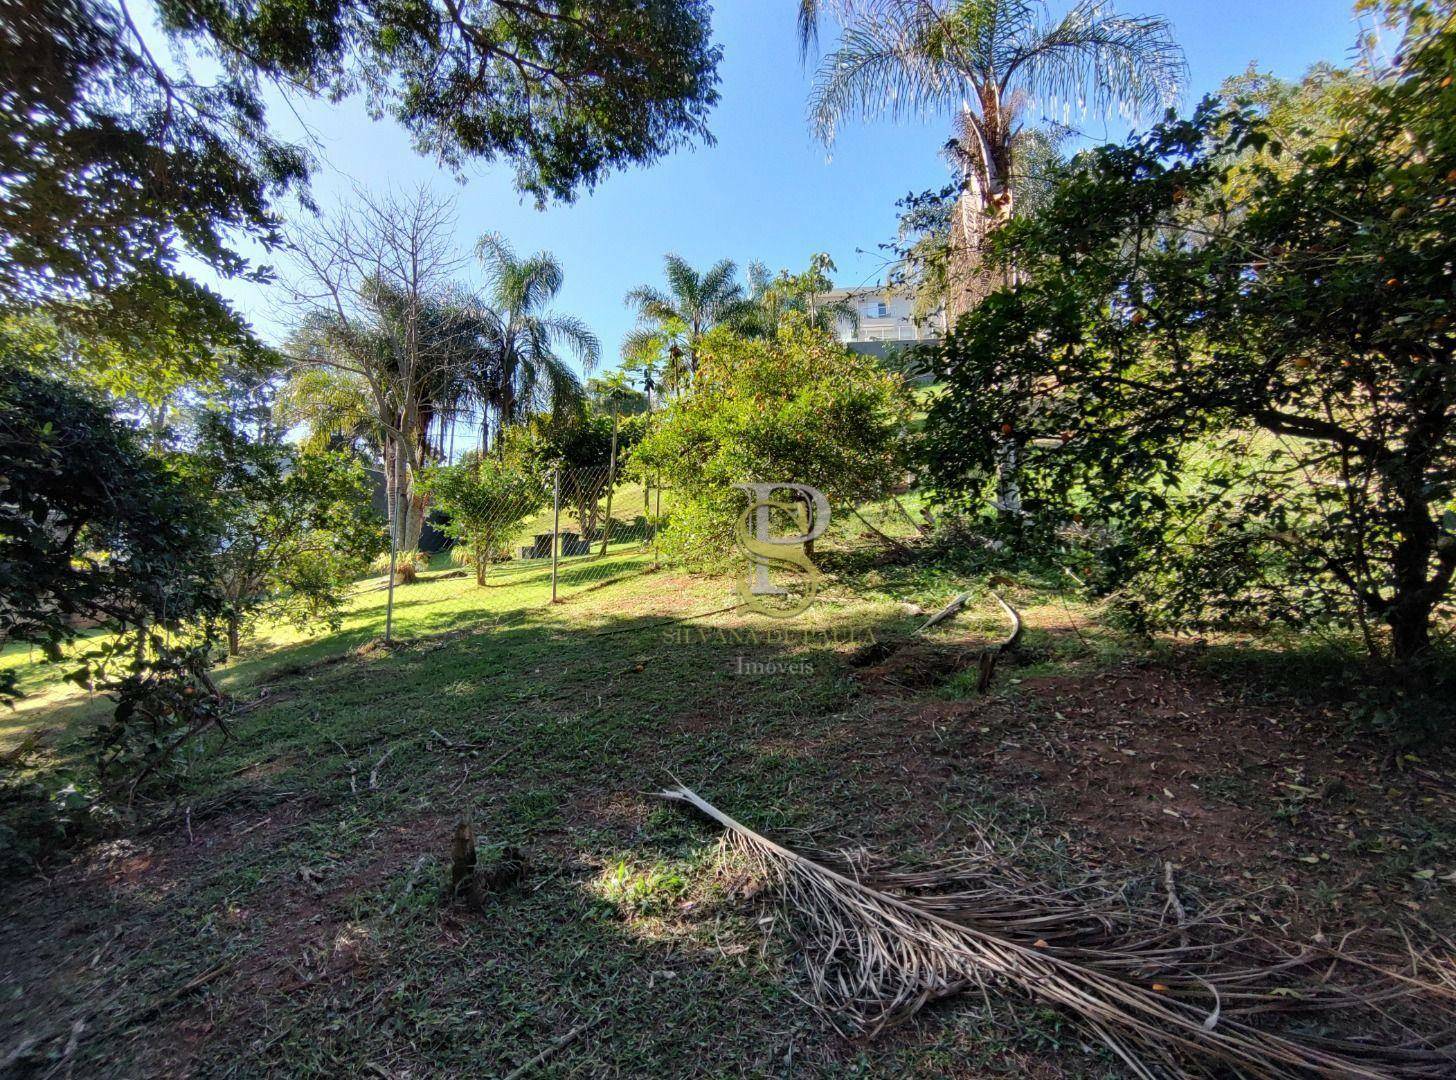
{"x": 1159, "y": 761}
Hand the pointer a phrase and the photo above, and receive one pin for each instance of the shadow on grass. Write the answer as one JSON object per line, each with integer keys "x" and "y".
{"x": 552, "y": 731}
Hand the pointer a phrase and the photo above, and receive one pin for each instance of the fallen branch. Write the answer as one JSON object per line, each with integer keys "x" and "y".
{"x": 923, "y": 528}
{"x": 374, "y": 772}
{"x": 950, "y": 611}
{"x": 552, "y": 1048}
{"x": 889, "y": 541}
{"x": 879, "y": 946}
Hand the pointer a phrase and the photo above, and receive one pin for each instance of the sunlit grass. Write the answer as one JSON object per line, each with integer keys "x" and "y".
{"x": 444, "y": 599}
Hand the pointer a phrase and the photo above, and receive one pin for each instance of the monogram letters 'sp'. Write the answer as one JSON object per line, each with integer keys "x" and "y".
{"x": 784, "y": 553}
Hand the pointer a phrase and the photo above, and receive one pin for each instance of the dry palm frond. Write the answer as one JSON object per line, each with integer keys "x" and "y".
{"x": 1181, "y": 999}
{"x": 408, "y": 563}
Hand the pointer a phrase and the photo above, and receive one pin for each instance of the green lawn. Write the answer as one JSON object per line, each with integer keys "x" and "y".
{"x": 444, "y": 599}
{"x": 281, "y": 914}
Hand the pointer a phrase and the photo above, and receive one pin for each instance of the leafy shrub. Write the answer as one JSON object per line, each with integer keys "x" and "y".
{"x": 164, "y": 699}
{"x": 297, "y": 526}
{"x": 798, "y": 407}
{"x": 43, "y": 809}
{"x": 487, "y": 500}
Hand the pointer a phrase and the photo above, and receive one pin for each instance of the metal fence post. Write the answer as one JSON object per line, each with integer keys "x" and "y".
{"x": 389, "y": 599}
{"x": 555, "y": 528}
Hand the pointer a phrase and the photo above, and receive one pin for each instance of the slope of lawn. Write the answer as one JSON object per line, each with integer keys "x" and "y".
{"x": 444, "y": 598}
{"x": 281, "y": 913}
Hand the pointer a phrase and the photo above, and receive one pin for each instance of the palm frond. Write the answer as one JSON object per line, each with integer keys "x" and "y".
{"x": 577, "y": 336}
{"x": 682, "y": 280}
{"x": 717, "y": 285}
{"x": 642, "y": 343}
{"x": 541, "y": 278}
{"x": 808, "y": 26}
{"x": 494, "y": 252}
{"x": 1170, "y": 998}
{"x": 880, "y": 70}
{"x": 1096, "y": 59}
{"x": 650, "y": 303}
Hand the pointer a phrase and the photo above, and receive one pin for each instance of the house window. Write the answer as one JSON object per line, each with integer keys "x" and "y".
{"x": 877, "y": 310}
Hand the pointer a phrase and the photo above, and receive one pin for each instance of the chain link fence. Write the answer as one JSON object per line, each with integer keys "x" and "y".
{"x": 573, "y": 528}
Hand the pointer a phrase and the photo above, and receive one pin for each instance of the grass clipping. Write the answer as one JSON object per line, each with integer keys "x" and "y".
{"x": 1169, "y": 995}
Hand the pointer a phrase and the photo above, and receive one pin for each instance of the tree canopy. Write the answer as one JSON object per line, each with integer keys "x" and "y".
{"x": 117, "y": 160}
{"x": 92, "y": 525}
{"x": 1233, "y": 371}
{"x": 797, "y": 406}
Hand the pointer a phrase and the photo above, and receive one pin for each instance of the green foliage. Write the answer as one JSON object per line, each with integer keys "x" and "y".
{"x": 297, "y": 525}
{"x": 797, "y": 407}
{"x": 518, "y": 368}
{"x": 775, "y": 297}
{"x": 119, "y": 161}
{"x": 334, "y": 408}
{"x": 164, "y": 699}
{"x": 114, "y": 164}
{"x": 1239, "y": 396}
{"x": 91, "y": 526}
{"x": 983, "y": 62}
{"x": 42, "y": 808}
{"x": 578, "y": 447}
{"x": 614, "y": 392}
{"x": 566, "y": 93}
{"x": 671, "y": 322}
{"x": 913, "y": 61}
{"x": 487, "y": 500}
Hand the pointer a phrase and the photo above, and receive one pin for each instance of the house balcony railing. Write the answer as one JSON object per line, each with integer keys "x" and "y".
{"x": 897, "y": 332}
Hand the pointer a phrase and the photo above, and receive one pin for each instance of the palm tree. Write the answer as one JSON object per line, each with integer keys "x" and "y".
{"x": 519, "y": 370}
{"x": 333, "y": 408}
{"x": 386, "y": 374}
{"x": 806, "y": 293}
{"x": 693, "y": 301}
{"x": 986, "y": 63}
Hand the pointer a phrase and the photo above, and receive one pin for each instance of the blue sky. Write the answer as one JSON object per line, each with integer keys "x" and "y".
{"x": 766, "y": 190}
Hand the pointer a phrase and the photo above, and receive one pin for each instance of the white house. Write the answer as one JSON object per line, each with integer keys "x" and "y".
{"x": 885, "y": 318}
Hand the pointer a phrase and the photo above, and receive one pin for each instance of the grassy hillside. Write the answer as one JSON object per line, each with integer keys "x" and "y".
{"x": 282, "y": 913}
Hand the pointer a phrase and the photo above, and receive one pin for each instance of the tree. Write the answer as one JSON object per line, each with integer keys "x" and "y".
{"x": 115, "y": 164}
{"x": 803, "y": 293}
{"x": 118, "y": 161}
{"x": 576, "y": 448}
{"x": 92, "y": 527}
{"x": 334, "y": 409}
{"x": 656, "y": 355}
{"x": 486, "y": 498}
{"x": 297, "y": 529}
{"x": 985, "y": 63}
{"x": 519, "y": 370}
{"x": 379, "y": 306}
{"x": 1237, "y": 370}
{"x": 693, "y": 304}
{"x": 930, "y": 259}
{"x": 614, "y": 393}
{"x": 796, "y": 407}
